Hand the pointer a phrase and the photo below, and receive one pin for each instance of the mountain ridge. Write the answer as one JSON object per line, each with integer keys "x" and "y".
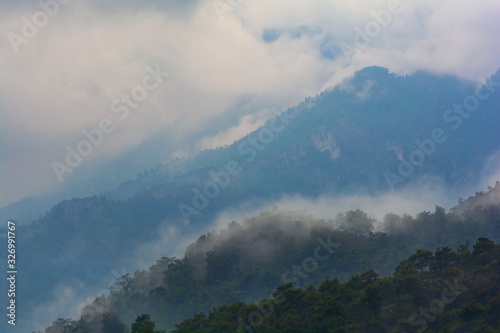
{"x": 338, "y": 143}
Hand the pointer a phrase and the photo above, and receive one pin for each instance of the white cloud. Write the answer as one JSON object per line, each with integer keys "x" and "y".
{"x": 65, "y": 78}
{"x": 246, "y": 124}
{"x": 411, "y": 200}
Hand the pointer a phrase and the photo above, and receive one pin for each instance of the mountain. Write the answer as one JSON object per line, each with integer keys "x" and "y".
{"x": 105, "y": 175}
{"x": 372, "y": 133}
{"x": 375, "y": 118}
{"x": 277, "y": 251}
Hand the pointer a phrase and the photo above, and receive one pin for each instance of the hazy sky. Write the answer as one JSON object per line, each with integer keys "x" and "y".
{"x": 63, "y": 78}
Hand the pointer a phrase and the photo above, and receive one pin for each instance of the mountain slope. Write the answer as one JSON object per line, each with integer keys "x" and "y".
{"x": 246, "y": 262}
{"x": 341, "y": 141}
{"x": 372, "y": 119}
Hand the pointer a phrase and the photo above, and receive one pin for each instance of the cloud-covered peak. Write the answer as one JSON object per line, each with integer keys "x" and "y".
{"x": 64, "y": 63}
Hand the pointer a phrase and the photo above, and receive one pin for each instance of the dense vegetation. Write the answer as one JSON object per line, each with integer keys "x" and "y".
{"x": 444, "y": 291}
{"x": 247, "y": 261}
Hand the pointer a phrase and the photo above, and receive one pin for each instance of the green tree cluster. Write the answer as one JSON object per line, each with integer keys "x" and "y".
{"x": 440, "y": 291}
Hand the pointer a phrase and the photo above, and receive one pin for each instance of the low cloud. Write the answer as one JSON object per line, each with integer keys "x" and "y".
{"x": 411, "y": 200}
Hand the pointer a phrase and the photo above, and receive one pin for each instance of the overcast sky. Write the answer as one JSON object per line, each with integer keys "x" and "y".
{"x": 63, "y": 78}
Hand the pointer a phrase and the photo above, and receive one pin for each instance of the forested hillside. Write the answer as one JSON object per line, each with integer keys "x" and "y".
{"x": 248, "y": 260}
{"x": 440, "y": 291}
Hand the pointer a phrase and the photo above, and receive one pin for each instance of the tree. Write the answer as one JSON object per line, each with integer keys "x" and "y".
{"x": 443, "y": 257}
{"x": 143, "y": 324}
{"x": 482, "y": 245}
{"x": 392, "y": 222}
{"x": 361, "y": 282}
{"x": 355, "y": 221}
{"x": 199, "y": 321}
{"x": 421, "y": 260}
{"x": 439, "y": 218}
{"x": 483, "y": 250}
{"x": 122, "y": 284}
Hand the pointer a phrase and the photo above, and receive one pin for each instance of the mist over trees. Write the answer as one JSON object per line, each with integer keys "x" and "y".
{"x": 247, "y": 261}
